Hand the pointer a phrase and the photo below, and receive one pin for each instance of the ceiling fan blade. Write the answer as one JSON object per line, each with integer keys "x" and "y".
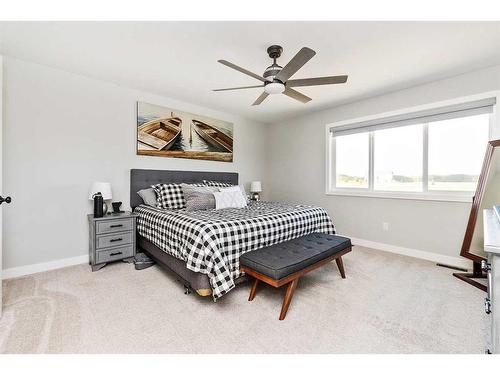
{"x": 242, "y": 70}
{"x": 261, "y": 98}
{"x": 297, "y": 62}
{"x": 296, "y": 95}
{"x": 239, "y": 88}
{"x": 316, "y": 81}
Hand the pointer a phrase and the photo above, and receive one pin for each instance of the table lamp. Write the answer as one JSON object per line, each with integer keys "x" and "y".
{"x": 255, "y": 189}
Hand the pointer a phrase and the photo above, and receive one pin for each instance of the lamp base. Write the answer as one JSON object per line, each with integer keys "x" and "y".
{"x": 255, "y": 197}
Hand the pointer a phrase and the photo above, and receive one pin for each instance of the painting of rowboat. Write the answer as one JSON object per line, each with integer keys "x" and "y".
{"x": 168, "y": 132}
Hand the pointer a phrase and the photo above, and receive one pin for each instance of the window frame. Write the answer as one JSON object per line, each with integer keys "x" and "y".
{"x": 425, "y": 194}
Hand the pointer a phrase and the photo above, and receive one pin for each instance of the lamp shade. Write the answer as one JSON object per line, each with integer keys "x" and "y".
{"x": 255, "y": 187}
{"x": 103, "y": 187}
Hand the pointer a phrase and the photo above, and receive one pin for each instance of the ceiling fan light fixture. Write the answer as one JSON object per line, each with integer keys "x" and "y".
{"x": 274, "y": 88}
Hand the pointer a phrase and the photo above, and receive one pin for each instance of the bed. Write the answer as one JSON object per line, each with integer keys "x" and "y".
{"x": 203, "y": 247}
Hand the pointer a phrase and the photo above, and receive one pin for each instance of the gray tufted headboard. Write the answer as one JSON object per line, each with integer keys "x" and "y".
{"x": 144, "y": 178}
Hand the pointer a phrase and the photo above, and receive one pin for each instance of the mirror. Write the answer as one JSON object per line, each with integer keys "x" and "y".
{"x": 487, "y": 195}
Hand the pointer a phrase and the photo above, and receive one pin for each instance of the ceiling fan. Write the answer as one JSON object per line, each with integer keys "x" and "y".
{"x": 276, "y": 78}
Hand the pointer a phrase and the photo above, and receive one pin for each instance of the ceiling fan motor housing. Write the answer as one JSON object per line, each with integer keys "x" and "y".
{"x": 271, "y": 71}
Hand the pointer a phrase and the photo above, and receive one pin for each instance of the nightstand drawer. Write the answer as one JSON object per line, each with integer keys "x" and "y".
{"x": 109, "y": 226}
{"x": 116, "y": 253}
{"x": 117, "y": 239}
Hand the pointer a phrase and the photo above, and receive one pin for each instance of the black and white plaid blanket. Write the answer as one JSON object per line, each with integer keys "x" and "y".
{"x": 212, "y": 241}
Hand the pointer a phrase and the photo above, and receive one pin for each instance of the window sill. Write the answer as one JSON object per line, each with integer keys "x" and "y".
{"x": 442, "y": 197}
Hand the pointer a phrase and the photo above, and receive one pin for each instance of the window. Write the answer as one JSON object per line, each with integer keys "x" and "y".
{"x": 431, "y": 154}
{"x": 398, "y": 159}
{"x": 456, "y": 151}
{"x": 352, "y": 161}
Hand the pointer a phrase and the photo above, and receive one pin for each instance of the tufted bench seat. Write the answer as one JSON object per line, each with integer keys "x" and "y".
{"x": 286, "y": 262}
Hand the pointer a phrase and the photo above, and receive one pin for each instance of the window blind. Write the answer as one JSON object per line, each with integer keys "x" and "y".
{"x": 477, "y": 107}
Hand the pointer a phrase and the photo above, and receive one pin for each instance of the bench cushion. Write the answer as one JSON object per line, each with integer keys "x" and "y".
{"x": 280, "y": 260}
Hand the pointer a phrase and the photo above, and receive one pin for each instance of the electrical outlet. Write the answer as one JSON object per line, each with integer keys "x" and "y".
{"x": 385, "y": 226}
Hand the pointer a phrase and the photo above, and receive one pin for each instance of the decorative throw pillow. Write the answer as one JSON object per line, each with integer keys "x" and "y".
{"x": 169, "y": 196}
{"x": 148, "y": 196}
{"x": 225, "y": 185}
{"x": 217, "y": 183}
{"x": 199, "y": 197}
{"x": 229, "y": 198}
{"x": 236, "y": 188}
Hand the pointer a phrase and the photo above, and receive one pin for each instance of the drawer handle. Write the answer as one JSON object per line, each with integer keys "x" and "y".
{"x": 113, "y": 254}
{"x": 116, "y": 239}
{"x": 116, "y": 226}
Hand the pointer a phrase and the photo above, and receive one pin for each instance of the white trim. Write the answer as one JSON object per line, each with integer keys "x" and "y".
{"x": 371, "y": 161}
{"x": 10, "y": 273}
{"x": 425, "y": 160}
{"x": 414, "y": 253}
{"x": 419, "y": 196}
{"x": 331, "y": 167}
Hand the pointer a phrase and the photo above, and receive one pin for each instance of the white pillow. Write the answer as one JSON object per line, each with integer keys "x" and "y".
{"x": 235, "y": 188}
{"x": 148, "y": 197}
{"x": 229, "y": 198}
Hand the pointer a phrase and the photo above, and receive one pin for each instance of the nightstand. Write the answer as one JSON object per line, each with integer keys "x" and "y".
{"x": 111, "y": 238}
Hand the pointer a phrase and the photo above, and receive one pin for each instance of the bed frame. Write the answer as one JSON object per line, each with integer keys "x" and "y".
{"x": 144, "y": 178}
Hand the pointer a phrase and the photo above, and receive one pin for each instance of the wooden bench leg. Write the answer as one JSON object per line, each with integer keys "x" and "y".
{"x": 253, "y": 291}
{"x": 288, "y": 297}
{"x": 340, "y": 265}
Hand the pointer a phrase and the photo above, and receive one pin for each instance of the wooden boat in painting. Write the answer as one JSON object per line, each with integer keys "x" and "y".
{"x": 159, "y": 134}
{"x": 213, "y": 136}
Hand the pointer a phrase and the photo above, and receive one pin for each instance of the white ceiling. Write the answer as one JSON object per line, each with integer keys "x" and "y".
{"x": 179, "y": 59}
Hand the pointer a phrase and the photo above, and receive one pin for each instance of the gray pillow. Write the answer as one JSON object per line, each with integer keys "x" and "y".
{"x": 199, "y": 197}
{"x": 148, "y": 196}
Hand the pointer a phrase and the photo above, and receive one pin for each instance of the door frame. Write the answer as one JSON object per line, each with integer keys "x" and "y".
{"x": 1, "y": 174}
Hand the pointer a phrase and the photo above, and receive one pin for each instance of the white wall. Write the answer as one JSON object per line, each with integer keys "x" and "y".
{"x": 62, "y": 132}
{"x": 296, "y": 172}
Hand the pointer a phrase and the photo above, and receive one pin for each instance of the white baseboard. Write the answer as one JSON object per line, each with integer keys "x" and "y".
{"x": 10, "y": 273}
{"x": 421, "y": 254}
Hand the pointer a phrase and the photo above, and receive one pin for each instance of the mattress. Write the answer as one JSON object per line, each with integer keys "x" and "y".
{"x": 211, "y": 242}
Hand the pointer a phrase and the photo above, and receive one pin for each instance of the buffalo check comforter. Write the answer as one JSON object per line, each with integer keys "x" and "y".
{"x": 212, "y": 241}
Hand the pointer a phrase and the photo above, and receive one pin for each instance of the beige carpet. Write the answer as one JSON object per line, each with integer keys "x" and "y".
{"x": 387, "y": 304}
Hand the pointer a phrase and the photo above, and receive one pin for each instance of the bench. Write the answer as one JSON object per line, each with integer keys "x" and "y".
{"x": 286, "y": 262}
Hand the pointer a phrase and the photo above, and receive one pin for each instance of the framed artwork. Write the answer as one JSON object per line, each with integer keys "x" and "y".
{"x": 168, "y": 132}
